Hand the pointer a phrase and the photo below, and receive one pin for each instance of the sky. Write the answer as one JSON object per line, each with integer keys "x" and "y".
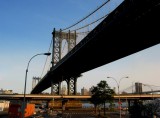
{"x": 25, "y": 30}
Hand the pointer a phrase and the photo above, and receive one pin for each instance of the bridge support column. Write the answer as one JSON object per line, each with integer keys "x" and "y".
{"x": 51, "y": 88}
{"x": 54, "y": 88}
{"x": 59, "y": 88}
{"x": 72, "y": 86}
{"x": 58, "y": 37}
{"x": 75, "y": 86}
{"x": 68, "y": 88}
{"x": 57, "y": 44}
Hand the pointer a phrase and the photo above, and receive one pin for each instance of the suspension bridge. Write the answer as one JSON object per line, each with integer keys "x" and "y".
{"x": 141, "y": 88}
{"x": 130, "y": 27}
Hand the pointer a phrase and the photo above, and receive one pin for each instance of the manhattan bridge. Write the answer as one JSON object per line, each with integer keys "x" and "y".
{"x": 119, "y": 31}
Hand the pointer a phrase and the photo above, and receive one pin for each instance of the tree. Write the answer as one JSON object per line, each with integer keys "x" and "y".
{"x": 152, "y": 107}
{"x": 101, "y": 93}
{"x": 136, "y": 109}
{"x": 145, "y": 109}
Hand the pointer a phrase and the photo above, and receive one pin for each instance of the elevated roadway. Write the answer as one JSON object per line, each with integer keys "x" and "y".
{"x": 80, "y": 97}
{"x": 130, "y": 28}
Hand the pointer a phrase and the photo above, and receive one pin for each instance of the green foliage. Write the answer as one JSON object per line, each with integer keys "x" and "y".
{"x": 152, "y": 107}
{"x": 136, "y": 109}
{"x": 101, "y": 93}
{"x": 147, "y": 110}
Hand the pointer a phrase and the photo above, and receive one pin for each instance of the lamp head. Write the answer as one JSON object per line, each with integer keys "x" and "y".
{"x": 47, "y": 54}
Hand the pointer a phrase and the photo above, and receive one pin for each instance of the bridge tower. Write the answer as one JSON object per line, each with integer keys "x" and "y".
{"x": 72, "y": 86}
{"x": 34, "y": 81}
{"x": 58, "y": 37}
{"x": 138, "y": 88}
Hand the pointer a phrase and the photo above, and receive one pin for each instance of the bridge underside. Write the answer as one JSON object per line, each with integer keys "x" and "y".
{"x": 130, "y": 28}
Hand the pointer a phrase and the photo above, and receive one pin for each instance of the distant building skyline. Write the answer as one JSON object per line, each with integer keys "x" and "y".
{"x": 84, "y": 91}
{"x": 2, "y": 91}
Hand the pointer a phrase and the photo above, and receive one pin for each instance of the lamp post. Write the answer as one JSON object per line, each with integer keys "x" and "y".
{"x": 24, "y": 98}
{"x": 118, "y": 84}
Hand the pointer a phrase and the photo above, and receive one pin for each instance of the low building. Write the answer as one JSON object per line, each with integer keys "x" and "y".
{"x": 84, "y": 91}
{"x": 6, "y": 91}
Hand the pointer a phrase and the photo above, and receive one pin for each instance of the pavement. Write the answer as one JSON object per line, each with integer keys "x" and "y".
{"x": 72, "y": 114}
{"x": 3, "y": 113}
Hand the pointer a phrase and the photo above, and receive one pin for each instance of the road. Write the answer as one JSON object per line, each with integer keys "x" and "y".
{"x": 3, "y": 114}
{"x": 71, "y": 114}
{"x": 79, "y": 114}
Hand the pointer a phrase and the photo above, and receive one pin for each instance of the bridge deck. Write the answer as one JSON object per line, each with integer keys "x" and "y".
{"x": 79, "y": 97}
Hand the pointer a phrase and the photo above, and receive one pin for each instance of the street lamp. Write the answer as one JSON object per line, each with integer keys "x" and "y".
{"x": 118, "y": 84}
{"x": 24, "y": 99}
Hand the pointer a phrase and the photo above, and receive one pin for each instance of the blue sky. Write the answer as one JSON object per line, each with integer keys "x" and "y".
{"x": 25, "y": 30}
